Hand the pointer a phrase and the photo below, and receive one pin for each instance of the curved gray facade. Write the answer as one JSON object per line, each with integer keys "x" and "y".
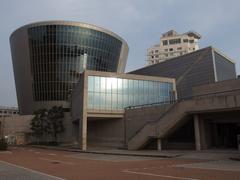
{"x": 48, "y": 58}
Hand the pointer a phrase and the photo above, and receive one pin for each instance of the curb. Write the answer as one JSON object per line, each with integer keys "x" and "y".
{"x": 105, "y": 153}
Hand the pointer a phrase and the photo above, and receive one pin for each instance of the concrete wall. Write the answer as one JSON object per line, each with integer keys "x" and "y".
{"x": 106, "y": 132}
{"x": 222, "y": 86}
{"x": 70, "y": 135}
{"x": 77, "y": 100}
{"x": 19, "y": 128}
{"x": 22, "y": 71}
{"x": 137, "y": 118}
{"x": 16, "y": 128}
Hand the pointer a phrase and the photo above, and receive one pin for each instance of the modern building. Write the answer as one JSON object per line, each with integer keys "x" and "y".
{"x": 204, "y": 66}
{"x": 207, "y": 120}
{"x": 205, "y": 114}
{"x": 80, "y": 67}
{"x": 8, "y": 111}
{"x": 172, "y": 45}
{"x": 100, "y": 99}
{"x": 48, "y": 58}
{"x": 189, "y": 101}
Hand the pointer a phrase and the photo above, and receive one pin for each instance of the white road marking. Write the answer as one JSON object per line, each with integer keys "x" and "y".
{"x": 52, "y": 154}
{"x": 145, "y": 168}
{"x": 5, "y": 152}
{"x": 31, "y": 170}
{"x": 54, "y": 160}
{"x": 159, "y": 175}
{"x": 218, "y": 165}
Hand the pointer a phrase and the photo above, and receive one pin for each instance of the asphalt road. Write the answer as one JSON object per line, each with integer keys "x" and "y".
{"x": 22, "y": 163}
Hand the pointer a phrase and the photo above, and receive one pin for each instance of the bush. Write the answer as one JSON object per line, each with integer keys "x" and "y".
{"x": 3, "y": 145}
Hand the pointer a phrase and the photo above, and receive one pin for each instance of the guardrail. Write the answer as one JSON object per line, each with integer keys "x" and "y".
{"x": 180, "y": 100}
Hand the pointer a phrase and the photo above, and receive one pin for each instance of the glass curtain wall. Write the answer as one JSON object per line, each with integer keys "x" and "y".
{"x": 110, "y": 93}
{"x": 56, "y": 55}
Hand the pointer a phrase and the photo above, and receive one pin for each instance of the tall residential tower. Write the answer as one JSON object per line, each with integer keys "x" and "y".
{"x": 172, "y": 45}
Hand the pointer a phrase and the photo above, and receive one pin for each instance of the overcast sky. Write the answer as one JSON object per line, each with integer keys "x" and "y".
{"x": 139, "y": 22}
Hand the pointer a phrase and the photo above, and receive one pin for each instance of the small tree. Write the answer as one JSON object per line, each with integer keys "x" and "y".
{"x": 3, "y": 144}
{"x": 39, "y": 123}
{"x": 55, "y": 122}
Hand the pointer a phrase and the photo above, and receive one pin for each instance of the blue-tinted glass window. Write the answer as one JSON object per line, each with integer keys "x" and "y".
{"x": 109, "y": 93}
{"x": 56, "y": 56}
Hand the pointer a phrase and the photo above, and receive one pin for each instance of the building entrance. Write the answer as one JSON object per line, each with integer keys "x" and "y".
{"x": 224, "y": 135}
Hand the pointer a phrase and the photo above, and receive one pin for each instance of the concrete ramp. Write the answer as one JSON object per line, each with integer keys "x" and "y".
{"x": 177, "y": 113}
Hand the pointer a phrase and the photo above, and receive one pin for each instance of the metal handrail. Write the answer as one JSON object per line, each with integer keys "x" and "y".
{"x": 179, "y": 100}
{"x": 152, "y": 122}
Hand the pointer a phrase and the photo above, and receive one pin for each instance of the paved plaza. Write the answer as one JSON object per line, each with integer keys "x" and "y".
{"x": 23, "y": 163}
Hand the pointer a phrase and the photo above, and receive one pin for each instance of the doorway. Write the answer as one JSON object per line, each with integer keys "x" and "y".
{"x": 224, "y": 135}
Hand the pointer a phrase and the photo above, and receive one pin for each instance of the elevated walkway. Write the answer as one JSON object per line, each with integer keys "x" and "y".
{"x": 177, "y": 113}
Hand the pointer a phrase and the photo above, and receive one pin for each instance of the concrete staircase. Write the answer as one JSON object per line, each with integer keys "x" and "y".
{"x": 176, "y": 114}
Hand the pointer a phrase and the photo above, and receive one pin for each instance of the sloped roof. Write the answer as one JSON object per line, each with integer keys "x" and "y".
{"x": 187, "y": 57}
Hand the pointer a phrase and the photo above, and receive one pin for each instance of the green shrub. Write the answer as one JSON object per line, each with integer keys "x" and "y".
{"x": 3, "y": 145}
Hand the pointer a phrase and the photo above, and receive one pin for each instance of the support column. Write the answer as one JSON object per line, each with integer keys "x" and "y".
{"x": 159, "y": 144}
{"x": 238, "y": 141}
{"x": 215, "y": 135}
{"x": 83, "y": 133}
{"x": 197, "y": 133}
{"x": 83, "y": 112}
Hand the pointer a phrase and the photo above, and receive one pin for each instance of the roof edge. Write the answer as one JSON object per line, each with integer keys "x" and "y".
{"x": 197, "y": 51}
{"x": 224, "y": 55}
{"x": 73, "y": 23}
